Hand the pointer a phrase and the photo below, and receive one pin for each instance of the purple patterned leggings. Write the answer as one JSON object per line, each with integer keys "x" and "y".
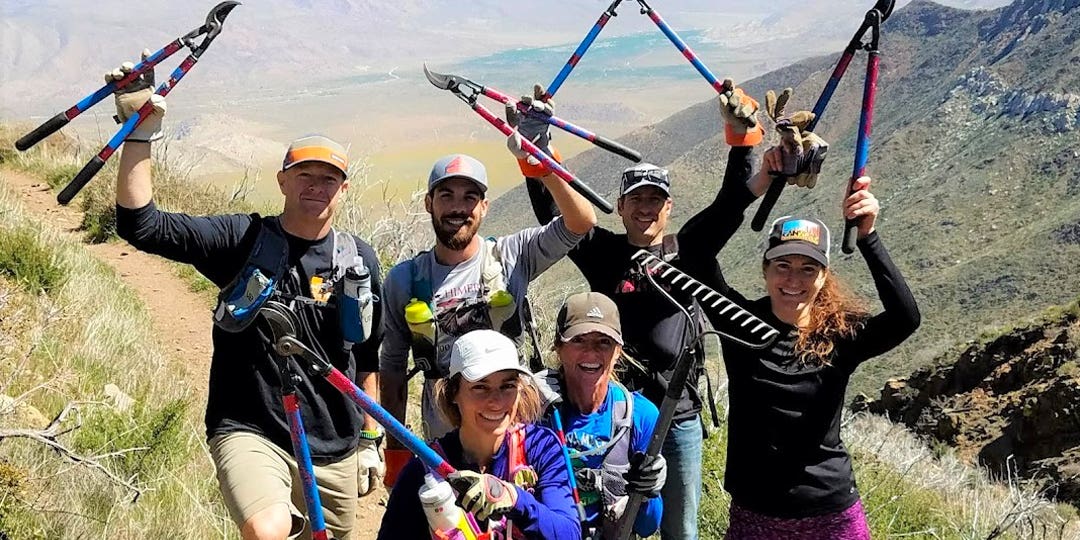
{"x": 847, "y": 525}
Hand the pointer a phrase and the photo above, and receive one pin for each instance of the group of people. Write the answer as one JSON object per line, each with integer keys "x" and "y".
{"x": 539, "y": 454}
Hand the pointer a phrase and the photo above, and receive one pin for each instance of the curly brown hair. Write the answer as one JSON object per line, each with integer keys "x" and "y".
{"x": 528, "y": 404}
{"x": 835, "y": 314}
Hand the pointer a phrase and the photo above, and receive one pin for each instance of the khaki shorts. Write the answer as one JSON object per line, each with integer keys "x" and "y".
{"x": 254, "y": 474}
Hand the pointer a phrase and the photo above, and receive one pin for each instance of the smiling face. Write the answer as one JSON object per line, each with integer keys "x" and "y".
{"x": 645, "y": 213}
{"x": 793, "y": 282}
{"x": 457, "y": 208}
{"x": 312, "y": 189}
{"x": 489, "y": 406}
{"x": 588, "y": 360}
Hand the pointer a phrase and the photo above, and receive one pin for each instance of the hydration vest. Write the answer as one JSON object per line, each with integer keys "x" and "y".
{"x": 480, "y": 313}
{"x": 267, "y": 265}
{"x": 606, "y": 482}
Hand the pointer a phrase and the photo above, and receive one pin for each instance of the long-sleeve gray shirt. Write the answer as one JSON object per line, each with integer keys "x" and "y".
{"x": 523, "y": 255}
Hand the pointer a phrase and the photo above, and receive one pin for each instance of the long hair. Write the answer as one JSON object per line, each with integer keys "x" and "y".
{"x": 835, "y": 314}
{"x": 528, "y": 405}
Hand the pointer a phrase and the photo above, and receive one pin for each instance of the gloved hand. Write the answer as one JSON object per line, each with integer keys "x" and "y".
{"x": 395, "y": 460}
{"x": 803, "y": 151}
{"x": 533, "y": 128}
{"x": 646, "y": 475}
{"x": 131, "y": 97}
{"x": 484, "y": 495}
{"x": 372, "y": 466}
{"x": 550, "y": 388}
{"x": 739, "y": 111}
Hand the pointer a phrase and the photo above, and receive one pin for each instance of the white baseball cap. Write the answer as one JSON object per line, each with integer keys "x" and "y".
{"x": 480, "y": 353}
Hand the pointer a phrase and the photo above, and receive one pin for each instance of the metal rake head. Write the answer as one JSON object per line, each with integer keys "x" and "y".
{"x": 729, "y": 319}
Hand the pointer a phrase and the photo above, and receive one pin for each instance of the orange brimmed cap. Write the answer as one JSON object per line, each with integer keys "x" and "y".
{"x": 316, "y": 148}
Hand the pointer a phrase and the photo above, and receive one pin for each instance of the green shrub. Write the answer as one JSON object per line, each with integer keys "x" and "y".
{"x": 159, "y": 433}
{"x": 26, "y": 260}
{"x": 58, "y": 175}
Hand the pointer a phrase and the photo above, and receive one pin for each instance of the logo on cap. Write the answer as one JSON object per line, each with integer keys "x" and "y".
{"x": 458, "y": 166}
{"x": 595, "y": 313}
{"x": 807, "y": 231}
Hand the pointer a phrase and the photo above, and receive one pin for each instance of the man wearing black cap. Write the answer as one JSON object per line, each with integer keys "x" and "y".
{"x": 296, "y": 258}
{"x": 464, "y": 283}
{"x": 656, "y": 331}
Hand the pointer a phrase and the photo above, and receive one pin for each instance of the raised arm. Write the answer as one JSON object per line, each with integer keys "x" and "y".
{"x": 900, "y": 317}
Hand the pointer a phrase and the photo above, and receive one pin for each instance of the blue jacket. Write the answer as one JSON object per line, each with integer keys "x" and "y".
{"x": 545, "y": 513}
{"x": 587, "y": 431}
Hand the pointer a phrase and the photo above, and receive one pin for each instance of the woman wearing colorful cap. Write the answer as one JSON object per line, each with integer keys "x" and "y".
{"x": 788, "y": 472}
{"x": 511, "y": 472}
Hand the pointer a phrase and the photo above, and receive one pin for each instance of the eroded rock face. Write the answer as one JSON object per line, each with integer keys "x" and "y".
{"x": 987, "y": 93}
{"x": 1012, "y": 402}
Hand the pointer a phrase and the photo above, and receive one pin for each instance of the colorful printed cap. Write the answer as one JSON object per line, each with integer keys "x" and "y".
{"x": 794, "y": 236}
{"x": 316, "y": 148}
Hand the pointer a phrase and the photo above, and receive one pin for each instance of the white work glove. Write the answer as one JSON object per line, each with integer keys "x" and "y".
{"x": 132, "y": 97}
{"x": 550, "y": 388}
{"x": 372, "y": 466}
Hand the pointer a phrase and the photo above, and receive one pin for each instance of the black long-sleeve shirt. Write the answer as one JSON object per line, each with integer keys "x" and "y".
{"x": 655, "y": 331}
{"x": 785, "y": 457}
{"x": 244, "y": 382}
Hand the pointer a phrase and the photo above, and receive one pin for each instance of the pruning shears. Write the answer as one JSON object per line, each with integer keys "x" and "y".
{"x": 660, "y": 23}
{"x": 469, "y": 92}
{"x": 210, "y": 29}
{"x": 871, "y": 24}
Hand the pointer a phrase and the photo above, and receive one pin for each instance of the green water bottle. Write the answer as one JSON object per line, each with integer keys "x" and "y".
{"x": 420, "y": 319}
{"x": 501, "y": 307}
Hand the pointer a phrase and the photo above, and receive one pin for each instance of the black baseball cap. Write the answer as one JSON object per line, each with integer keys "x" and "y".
{"x": 798, "y": 236}
{"x": 645, "y": 174}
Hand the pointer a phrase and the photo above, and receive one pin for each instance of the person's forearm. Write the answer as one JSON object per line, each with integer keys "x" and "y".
{"x": 369, "y": 383}
{"x": 133, "y": 182}
{"x": 759, "y": 183}
{"x": 393, "y": 395}
{"x": 577, "y": 212}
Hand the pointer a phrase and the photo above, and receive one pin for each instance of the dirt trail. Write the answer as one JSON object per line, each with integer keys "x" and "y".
{"x": 180, "y": 317}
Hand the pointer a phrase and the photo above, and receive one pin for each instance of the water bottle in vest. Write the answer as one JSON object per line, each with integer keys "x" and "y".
{"x": 420, "y": 320}
{"x": 501, "y": 308}
{"x": 355, "y": 309}
{"x": 445, "y": 519}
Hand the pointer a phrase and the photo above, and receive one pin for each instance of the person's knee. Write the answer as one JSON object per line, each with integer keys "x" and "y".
{"x": 272, "y": 523}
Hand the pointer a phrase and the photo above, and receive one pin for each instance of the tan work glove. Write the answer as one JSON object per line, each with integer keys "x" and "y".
{"x": 803, "y": 151}
{"x": 739, "y": 111}
{"x": 132, "y": 97}
{"x": 372, "y": 466}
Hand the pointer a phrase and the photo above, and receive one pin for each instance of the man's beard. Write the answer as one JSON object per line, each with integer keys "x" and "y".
{"x": 456, "y": 239}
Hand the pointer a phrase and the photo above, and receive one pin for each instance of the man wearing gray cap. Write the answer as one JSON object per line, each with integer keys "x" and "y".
{"x": 297, "y": 260}
{"x": 464, "y": 283}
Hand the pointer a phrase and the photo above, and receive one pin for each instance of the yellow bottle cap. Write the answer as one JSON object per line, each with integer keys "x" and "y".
{"x": 417, "y": 312}
{"x": 501, "y": 299}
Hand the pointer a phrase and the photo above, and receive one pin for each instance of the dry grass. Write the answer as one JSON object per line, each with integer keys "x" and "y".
{"x": 65, "y": 346}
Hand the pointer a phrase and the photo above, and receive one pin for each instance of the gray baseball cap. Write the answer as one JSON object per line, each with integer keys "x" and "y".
{"x": 458, "y": 166}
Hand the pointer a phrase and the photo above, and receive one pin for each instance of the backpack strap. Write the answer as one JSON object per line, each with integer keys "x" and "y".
{"x": 670, "y": 247}
{"x": 258, "y": 279}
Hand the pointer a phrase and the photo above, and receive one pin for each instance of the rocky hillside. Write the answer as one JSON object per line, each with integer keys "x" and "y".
{"x": 975, "y": 158}
{"x": 1010, "y": 402}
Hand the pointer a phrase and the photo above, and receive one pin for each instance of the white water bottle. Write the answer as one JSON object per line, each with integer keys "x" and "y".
{"x": 438, "y": 501}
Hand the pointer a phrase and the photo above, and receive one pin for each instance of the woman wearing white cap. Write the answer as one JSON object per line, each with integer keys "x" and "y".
{"x": 490, "y": 400}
